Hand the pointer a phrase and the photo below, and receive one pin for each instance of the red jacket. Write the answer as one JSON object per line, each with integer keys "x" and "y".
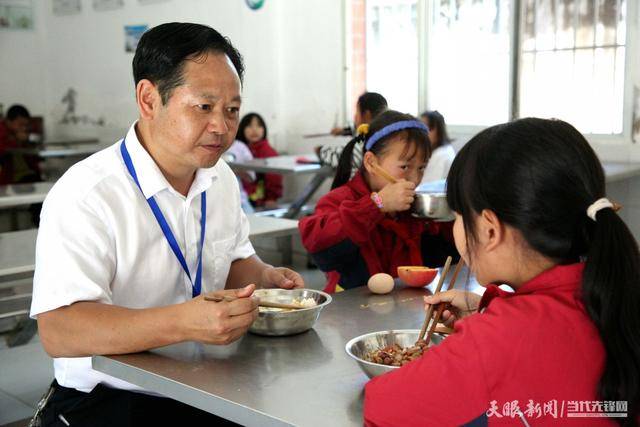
{"x": 7, "y": 141}
{"x": 536, "y": 344}
{"x": 266, "y": 187}
{"x": 349, "y": 237}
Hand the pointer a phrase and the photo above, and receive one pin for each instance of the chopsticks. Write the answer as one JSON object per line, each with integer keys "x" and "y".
{"x": 220, "y": 298}
{"x": 383, "y": 173}
{"x": 443, "y": 274}
{"x": 441, "y": 306}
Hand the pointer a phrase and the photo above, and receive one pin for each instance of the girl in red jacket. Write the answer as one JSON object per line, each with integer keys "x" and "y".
{"x": 363, "y": 227}
{"x": 564, "y": 348}
{"x": 266, "y": 189}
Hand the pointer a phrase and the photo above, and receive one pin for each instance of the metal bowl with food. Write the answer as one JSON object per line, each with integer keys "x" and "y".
{"x": 279, "y": 322}
{"x": 431, "y": 205}
{"x": 361, "y": 347}
{"x": 431, "y": 202}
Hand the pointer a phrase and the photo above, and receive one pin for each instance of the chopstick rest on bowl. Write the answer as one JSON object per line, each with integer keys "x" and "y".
{"x": 261, "y": 303}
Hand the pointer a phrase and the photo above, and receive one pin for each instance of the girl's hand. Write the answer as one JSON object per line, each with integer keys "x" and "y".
{"x": 397, "y": 197}
{"x": 462, "y": 304}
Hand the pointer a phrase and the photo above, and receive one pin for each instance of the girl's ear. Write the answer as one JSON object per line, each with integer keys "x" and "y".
{"x": 368, "y": 160}
{"x": 491, "y": 231}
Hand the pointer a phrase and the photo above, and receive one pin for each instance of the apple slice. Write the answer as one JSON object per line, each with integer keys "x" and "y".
{"x": 417, "y": 276}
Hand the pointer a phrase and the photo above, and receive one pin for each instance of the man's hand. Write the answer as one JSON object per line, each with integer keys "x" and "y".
{"x": 281, "y": 277}
{"x": 220, "y": 322}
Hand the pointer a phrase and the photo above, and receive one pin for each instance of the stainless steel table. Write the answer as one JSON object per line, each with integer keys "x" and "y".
{"x": 61, "y": 150}
{"x": 18, "y": 248}
{"x": 23, "y": 194}
{"x": 266, "y": 226}
{"x": 288, "y": 165}
{"x": 17, "y": 253}
{"x": 302, "y": 380}
{"x": 69, "y": 141}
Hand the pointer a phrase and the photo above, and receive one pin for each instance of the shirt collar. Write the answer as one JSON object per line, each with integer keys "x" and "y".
{"x": 151, "y": 179}
{"x": 556, "y": 280}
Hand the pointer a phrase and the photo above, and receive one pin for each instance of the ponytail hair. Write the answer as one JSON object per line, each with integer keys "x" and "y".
{"x": 417, "y": 143}
{"x": 611, "y": 292}
{"x": 544, "y": 176}
{"x": 343, "y": 171}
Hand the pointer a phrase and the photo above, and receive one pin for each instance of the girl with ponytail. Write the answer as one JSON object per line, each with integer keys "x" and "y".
{"x": 564, "y": 348}
{"x": 363, "y": 227}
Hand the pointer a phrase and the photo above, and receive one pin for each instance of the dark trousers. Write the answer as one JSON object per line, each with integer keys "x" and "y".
{"x": 105, "y": 406}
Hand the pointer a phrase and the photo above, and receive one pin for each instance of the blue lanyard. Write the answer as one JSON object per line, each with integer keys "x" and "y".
{"x": 166, "y": 229}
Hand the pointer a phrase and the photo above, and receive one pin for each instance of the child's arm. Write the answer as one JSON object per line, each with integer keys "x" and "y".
{"x": 337, "y": 218}
{"x": 452, "y": 371}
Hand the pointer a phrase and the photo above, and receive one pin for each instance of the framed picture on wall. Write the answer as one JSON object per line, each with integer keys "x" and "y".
{"x": 66, "y": 7}
{"x": 132, "y": 34}
{"x": 16, "y": 14}
{"x": 100, "y": 5}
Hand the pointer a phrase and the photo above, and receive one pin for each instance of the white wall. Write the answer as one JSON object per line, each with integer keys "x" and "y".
{"x": 21, "y": 68}
{"x": 292, "y": 50}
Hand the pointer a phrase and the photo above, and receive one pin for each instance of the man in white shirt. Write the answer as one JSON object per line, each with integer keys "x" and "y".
{"x": 132, "y": 237}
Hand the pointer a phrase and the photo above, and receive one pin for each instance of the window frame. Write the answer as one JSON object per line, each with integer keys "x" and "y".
{"x": 424, "y": 19}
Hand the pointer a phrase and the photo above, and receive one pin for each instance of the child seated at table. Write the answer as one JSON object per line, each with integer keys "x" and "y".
{"x": 363, "y": 227}
{"x": 443, "y": 153}
{"x": 239, "y": 152}
{"x": 265, "y": 190}
{"x": 531, "y": 212}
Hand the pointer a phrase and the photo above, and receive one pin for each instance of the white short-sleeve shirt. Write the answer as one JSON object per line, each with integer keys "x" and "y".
{"x": 439, "y": 163}
{"x": 99, "y": 241}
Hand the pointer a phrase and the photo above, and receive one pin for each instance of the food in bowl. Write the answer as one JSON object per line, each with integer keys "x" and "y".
{"x": 279, "y": 322}
{"x": 302, "y": 302}
{"x": 396, "y": 355}
{"x": 417, "y": 276}
{"x": 359, "y": 347}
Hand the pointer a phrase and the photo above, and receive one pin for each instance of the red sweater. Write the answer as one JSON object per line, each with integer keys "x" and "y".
{"x": 535, "y": 344}
{"x": 266, "y": 187}
{"x": 350, "y": 238}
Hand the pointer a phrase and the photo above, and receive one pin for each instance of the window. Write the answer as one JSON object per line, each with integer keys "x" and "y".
{"x": 567, "y": 59}
{"x": 572, "y": 62}
{"x": 468, "y": 61}
{"x": 385, "y": 44}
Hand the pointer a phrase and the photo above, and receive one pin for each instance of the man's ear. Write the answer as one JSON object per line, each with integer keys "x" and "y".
{"x": 148, "y": 99}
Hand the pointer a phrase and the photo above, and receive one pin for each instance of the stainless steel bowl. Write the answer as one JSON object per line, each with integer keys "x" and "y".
{"x": 359, "y": 346}
{"x": 431, "y": 205}
{"x": 279, "y": 323}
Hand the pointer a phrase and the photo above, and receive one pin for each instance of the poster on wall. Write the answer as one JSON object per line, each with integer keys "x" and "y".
{"x": 100, "y": 5}
{"x": 16, "y": 14}
{"x": 66, "y": 7}
{"x": 132, "y": 34}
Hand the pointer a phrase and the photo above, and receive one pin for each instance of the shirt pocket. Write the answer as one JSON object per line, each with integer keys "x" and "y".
{"x": 220, "y": 262}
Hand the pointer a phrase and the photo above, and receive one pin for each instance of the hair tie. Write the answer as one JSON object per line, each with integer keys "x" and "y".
{"x": 363, "y": 129}
{"x": 600, "y": 204}
{"x": 394, "y": 127}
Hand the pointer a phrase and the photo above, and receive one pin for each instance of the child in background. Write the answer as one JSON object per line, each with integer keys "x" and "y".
{"x": 531, "y": 212}
{"x": 241, "y": 153}
{"x": 266, "y": 189}
{"x": 363, "y": 227}
{"x": 443, "y": 153}
{"x": 368, "y": 107}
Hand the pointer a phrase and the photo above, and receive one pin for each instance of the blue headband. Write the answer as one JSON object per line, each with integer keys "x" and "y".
{"x": 394, "y": 127}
